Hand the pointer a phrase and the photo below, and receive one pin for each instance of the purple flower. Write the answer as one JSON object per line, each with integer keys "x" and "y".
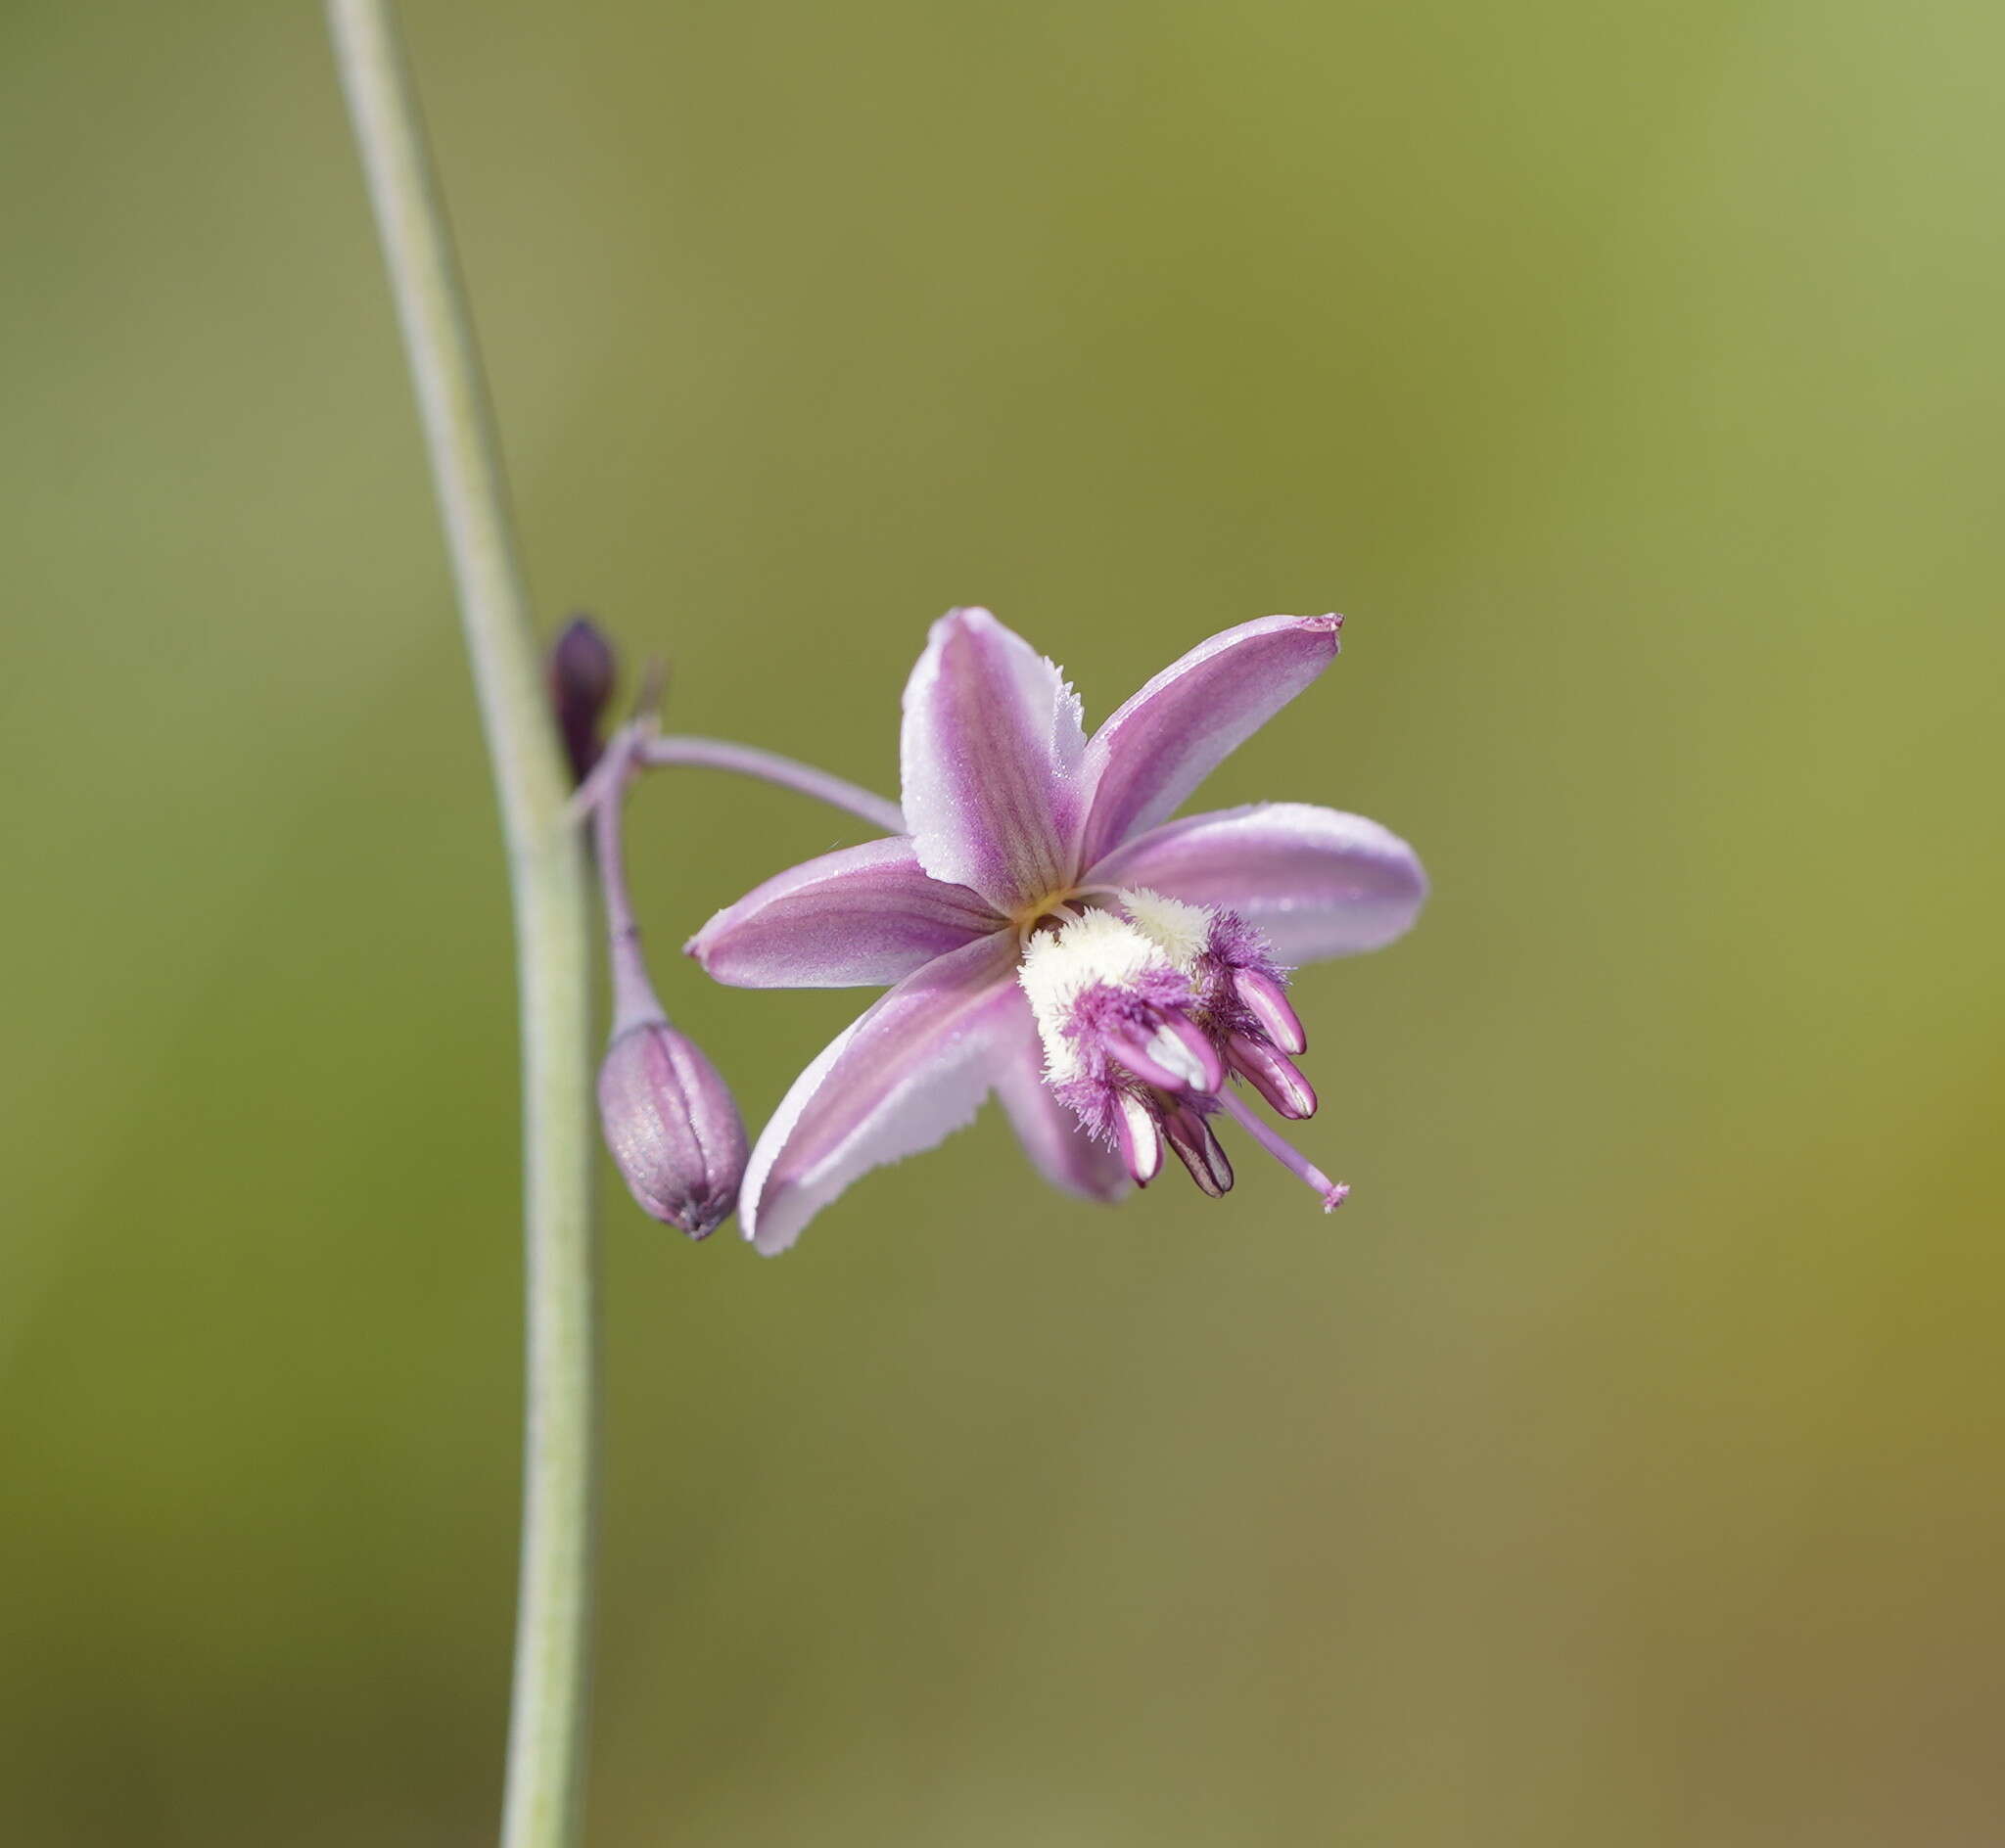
{"x": 1051, "y": 936}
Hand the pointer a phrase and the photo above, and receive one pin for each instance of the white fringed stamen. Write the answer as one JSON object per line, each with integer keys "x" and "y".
{"x": 1179, "y": 930}
{"x": 1059, "y": 966}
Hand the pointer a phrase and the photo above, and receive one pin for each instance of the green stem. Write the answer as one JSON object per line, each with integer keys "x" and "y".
{"x": 549, "y": 878}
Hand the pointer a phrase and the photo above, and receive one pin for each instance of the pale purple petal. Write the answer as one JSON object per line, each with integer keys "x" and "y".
{"x": 1149, "y": 757}
{"x": 913, "y": 1070}
{"x": 1052, "y": 1136}
{"x": 990, "y": 755}
{"x": 858, "y": 916}
{"x": 1317, "y": 883}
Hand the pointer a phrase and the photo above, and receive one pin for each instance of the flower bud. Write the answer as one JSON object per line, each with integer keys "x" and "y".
{"x": 581, "y": 670}
{"x": 672, "y": 1127}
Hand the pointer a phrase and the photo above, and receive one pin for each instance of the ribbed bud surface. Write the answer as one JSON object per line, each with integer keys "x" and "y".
{"x": 672, "y": 1127}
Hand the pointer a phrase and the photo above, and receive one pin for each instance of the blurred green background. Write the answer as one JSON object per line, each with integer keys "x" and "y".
{"x": 1621, "y": 1466}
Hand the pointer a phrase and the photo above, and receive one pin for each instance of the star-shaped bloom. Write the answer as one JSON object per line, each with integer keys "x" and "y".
{"x": 1049, "y": 934}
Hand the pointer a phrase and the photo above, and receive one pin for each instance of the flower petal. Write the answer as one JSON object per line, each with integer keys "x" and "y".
{"x": 1147, "y": 758}
{"x": 1052, "y": 1136}
{"x": 860, "y": 915}
{"x": 911, "y": 1070}
{"x": 1316, "y": 882}
{"x": 990, "y": 750}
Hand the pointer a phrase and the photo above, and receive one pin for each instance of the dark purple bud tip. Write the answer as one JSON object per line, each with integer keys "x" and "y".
{"x": 583, "y": 669}
{"x": 672, "y": 1127}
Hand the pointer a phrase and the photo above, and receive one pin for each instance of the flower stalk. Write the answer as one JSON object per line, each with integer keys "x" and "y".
{"x": 550, "y": 890}
{"x": 768, "y": 766}
{"x": 671, "y": 1123}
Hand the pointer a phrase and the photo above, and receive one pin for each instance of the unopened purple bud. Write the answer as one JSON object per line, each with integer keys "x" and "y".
{"x": 672, "y": 1127}
{"x": 583, "y": 669}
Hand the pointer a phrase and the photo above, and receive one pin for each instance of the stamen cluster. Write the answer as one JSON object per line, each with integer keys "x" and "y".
{"x": 1145, "y": 1012}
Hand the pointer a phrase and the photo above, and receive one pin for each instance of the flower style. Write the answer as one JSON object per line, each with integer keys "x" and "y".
{"x": 1050, "y": 934}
